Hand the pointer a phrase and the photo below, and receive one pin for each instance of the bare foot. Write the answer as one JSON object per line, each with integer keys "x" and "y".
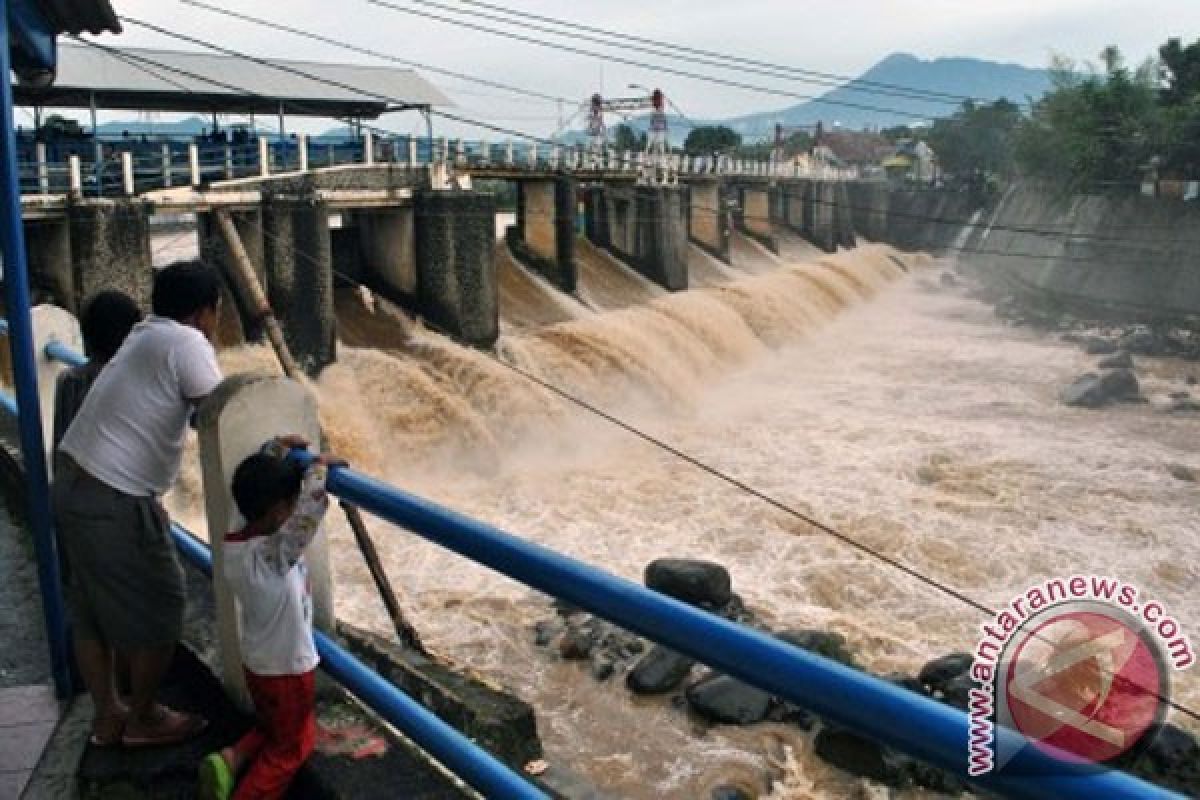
{"x": 162, "y": 726}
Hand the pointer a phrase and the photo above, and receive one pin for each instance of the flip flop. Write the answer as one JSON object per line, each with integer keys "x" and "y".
{"x": 215, "y": 779}
{"x": 117, "y": 723}
{"x": 184, "y": 727}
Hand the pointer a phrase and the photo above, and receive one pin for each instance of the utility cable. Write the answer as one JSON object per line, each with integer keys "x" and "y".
{"x": 316, "y": 37}
{"x": 645, "y": 65}
{"x": 628, "y": 45}
{"x": 839, "y": 81}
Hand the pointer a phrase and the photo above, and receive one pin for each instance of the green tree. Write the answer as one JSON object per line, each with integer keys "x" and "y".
{"x": 977, "y": 139}
{"x": 711, "y": 139}
{"x": 1180, "y": 70}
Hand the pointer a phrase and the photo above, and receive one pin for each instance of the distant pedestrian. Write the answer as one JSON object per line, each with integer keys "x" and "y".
{"x": 283, "y": 504}
{"x": 117, "y": 458}
{"x": 107, "y": 318}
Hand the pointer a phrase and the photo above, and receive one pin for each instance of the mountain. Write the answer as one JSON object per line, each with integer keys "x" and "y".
{"x": 855, "y": 109}
{"x": 187, "y": 127}
{"x": 967, "y": 77}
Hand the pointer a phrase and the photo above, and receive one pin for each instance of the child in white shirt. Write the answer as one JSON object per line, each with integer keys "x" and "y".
{"x": 283, "y": 504}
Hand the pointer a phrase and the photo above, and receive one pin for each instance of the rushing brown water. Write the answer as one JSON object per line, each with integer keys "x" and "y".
{"x": 904, "y": 414}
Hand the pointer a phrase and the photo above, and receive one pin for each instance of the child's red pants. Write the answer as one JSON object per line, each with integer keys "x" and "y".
{"x": 282, "y": 738}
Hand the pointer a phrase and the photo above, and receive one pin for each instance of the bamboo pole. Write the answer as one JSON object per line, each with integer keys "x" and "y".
{"x": 247, "y": 286}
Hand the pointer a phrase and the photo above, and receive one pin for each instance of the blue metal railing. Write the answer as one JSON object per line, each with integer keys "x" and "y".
{"x": 909, "y": 722}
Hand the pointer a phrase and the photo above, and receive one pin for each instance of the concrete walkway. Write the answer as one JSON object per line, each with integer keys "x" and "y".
{"x": 29, "y": 712}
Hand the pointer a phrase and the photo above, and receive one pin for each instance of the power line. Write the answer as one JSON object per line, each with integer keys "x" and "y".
{"x": 841, "y": 81}
{"x": 316, "y": 37}
{"x": 626, "y": 43}
{"x": 265, "y": 62}
{"x": 645, "y": 65}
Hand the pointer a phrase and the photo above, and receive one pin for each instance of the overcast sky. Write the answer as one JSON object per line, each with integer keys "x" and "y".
{"x": 845, "y": 38}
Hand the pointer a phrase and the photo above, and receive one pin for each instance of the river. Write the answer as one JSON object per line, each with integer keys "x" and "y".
{"x": 900, "y": 411}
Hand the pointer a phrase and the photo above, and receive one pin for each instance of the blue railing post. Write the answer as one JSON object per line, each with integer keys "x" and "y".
{"x": 16, "y": 299}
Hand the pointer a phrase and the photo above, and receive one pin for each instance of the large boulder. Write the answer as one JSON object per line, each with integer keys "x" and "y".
{"x": 1097, "y": 345}
{"x": 721, "y": 698}
{"x": 861, "y": 756}
{"x": 1118, "y": 360}
{"x": 1142, "y": 341}
{"x": 1096, "y": 391}
{"x": 937, "y": 674}
{"x": 1172, "y": 759}
{"x": 660, "y": 670}
{"x": 701, "y": 583}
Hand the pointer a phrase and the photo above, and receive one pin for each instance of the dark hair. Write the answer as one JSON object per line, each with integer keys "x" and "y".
{"x": 185, "y": 287}
{"x": 107, "y": 318}
{"x": 262, "y": 481}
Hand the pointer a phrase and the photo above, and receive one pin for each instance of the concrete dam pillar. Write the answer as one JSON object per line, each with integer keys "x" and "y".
{"x": 249, "y": 225}
{"x": 299, "y": 266}
{"x": 869, "y": 207}
{"x": 843, "y": 215}
{"x": 708, "y": 225}
{"x": 109, "y": 248}
{"x": 544, "y": 236}
{"x": 645, "y": 226}
{"x": 456, "y": 276}
{"x": 823, "y": 232}
{"x": 244, "y": 412}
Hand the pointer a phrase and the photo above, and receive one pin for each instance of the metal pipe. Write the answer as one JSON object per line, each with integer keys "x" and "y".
{"x": 899, "y": 718}
{"x": 24, "y": 366}
{"x": 463, "y": 757}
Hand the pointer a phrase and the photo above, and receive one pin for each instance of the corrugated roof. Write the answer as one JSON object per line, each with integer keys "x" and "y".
{"x": 172, "y": 80}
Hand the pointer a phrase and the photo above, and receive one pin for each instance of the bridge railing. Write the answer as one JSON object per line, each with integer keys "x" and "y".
{"x": 892, "y": 715}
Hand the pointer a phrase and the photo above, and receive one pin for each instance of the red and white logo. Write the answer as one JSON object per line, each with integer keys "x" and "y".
{"x": 1083, "y": 682}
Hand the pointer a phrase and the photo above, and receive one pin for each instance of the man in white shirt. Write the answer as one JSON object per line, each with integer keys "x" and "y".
{"x": 117, "y": 458}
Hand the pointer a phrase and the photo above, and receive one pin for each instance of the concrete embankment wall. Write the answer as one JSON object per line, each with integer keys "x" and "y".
{"x": 1115, "y": 255}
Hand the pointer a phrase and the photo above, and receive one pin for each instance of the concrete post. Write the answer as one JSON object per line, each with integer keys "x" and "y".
{"x": 166, "y": 165}
{"x": 533, "y": 155}
{"x": 298, "y": 254}
{"x": 508, "y": 155}
{"x": 110, "y": 248}
{"x": 228, "y": 161}
{"x": 264, "y": 157}
{"x": 213, "y": 250}
{"x": 51, "y": 324}
{"x": 244, "y": 412}
{"x": 76, "y": 176}
{"x": 43, "y": 169}
{"x": 555, "y": 156}
{"x": 460, "y": 152}
{"x": 194, "y": 164}
{"x": 302, "y": 151}
{"x": 456, "y": 276}
{"x": 127, "y": 184}
{"x": 412, "y": 153}
{"x": 444, "y": 150}
{"x": 368, "y": 148}
{"x": 823, "y": 234}
{"x": 485, "y": 153}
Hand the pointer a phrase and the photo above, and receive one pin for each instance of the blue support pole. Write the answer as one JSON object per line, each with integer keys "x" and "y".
{"x": 16, "y": 299}
{"x": 904, "y": 720}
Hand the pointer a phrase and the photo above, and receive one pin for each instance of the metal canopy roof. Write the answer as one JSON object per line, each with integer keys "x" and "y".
{"x": 171, "y": 80}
